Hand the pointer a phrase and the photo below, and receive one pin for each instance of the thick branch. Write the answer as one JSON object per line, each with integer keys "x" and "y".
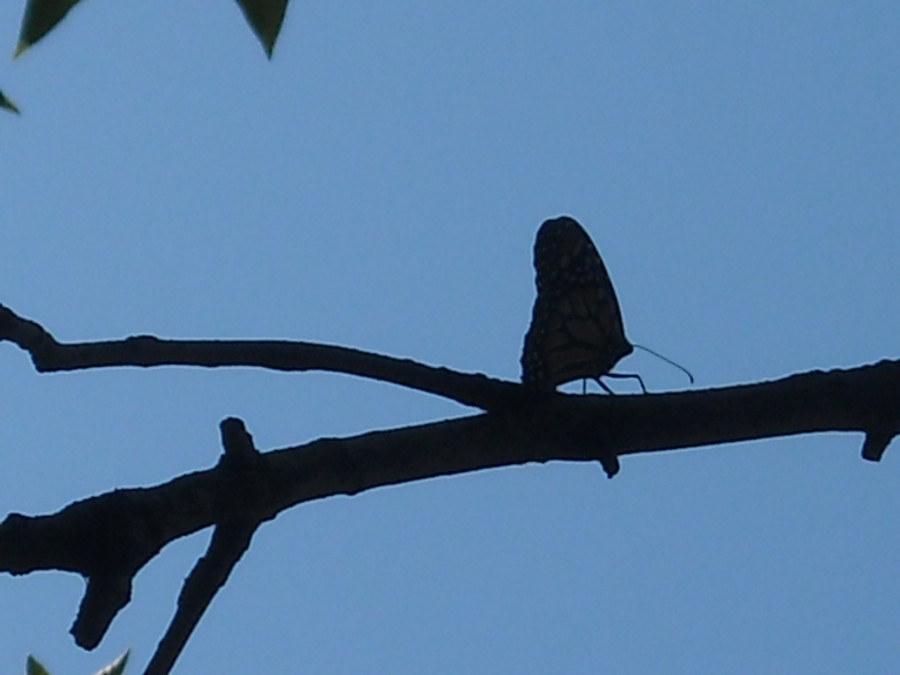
{"x": 108, "y": 538}
{"x": 48, "y": 355}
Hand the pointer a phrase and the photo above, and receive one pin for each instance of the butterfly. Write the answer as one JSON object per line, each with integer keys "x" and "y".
{"x": 576, "y": 327}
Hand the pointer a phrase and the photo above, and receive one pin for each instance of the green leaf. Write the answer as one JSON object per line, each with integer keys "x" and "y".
{"x": 8, "y": 105}
{"x": 265, "y": 18}
{"x": 34, "y": 667}
{"x": 117, "y": 667}
{"x": 40, "y": 17}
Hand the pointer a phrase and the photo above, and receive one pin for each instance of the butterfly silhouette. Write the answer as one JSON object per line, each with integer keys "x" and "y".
{"x": 576, "y": 330}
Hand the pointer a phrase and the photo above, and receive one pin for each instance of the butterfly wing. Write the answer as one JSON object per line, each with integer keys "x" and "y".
{"x": 576, "y": 328}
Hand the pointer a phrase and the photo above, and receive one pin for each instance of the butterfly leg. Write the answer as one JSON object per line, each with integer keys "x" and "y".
{"x": 633, "y": 376}
{"x": 603, "y": 384}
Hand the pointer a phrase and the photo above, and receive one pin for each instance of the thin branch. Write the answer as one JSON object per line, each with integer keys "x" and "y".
{"x": 49, "y": 355}
{"x": 227, "y": 546}
{"x": 230, "y": 540}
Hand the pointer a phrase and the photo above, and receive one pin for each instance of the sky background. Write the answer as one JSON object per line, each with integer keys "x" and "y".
{"x": 378, "y": 184}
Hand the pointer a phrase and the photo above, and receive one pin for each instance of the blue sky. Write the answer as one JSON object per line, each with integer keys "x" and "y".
{"x": 378, "y": 184}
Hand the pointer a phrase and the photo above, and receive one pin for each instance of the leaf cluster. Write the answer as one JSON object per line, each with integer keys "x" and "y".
{"x": 265, "y": 18}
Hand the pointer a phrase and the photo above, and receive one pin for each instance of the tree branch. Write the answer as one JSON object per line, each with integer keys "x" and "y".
{"x": 109, "y": 538}
{"x": 231, "y": 539}
{"x": 48, "y": 355}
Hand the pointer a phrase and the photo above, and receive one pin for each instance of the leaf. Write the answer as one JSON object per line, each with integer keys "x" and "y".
{"x": 265, "y": 18}
{"x": 34, "y": 667}
{"x": 9, "y": 105}
{"x": 40, "y": 18}
{"x": 117, "y": 667}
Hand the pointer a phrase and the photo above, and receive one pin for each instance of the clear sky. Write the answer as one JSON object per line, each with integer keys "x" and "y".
{"x": 378, "y": 184}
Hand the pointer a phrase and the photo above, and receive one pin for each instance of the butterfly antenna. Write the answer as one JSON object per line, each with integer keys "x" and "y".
{"x": 669, "y": 361}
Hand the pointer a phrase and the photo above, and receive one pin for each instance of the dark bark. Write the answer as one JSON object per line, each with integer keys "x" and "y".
{"x": 108, "y": 538}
